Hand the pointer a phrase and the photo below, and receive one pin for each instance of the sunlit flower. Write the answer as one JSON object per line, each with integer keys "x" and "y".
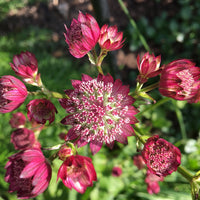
{"x": 12, "y": 93}
{"x": 41, "y": 110}
{"x": 23, "y": 138}
{"x": 110, "y": 39}
{"x": 77, "y": 172}
{"x": 148, "y": 67}
{"x": 26, "y": 66}
{"x": 83, "y": 35}
{"x": 17, "y": 120}
{"x": 152, "y": 182}
{"x": 28, "y": 173}
{"x": 178, "y": 80}
{"x": 116, "y": 171}
{"x": 100, "y": 111}
{"x": 161, "y": 157}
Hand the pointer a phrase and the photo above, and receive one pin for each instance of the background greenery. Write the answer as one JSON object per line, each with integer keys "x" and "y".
{"x": 179, "y": 38}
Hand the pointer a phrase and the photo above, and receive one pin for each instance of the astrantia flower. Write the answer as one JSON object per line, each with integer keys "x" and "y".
{"x": 100, "y": 111}
{"x": 148, "y": 67}
{"x": 28, "y": 173}
{"x": 12, "y": 93}
{"x": 17, "y": 120}
{"x": 23, "y": 138}
{"x": 83, "y": 35}
{"x": 116, "y": 171}
{"x": 152, "y": 182}
{"x": 178, "y": 80}
{"x": 26, "y": 66}
{"x": 110, "y": 39}
{"x": 77, "y": 172}
{"x": 161, "y": 157}
{"x": 41, "y": 110}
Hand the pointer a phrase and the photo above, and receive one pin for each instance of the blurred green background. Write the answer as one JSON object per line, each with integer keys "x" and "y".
{"x": 170, "y": 27}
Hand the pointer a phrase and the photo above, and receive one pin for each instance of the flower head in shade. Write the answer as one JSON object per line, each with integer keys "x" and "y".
{"x": 152, "y": 182}
{"x": 116, "y": 171}
{"x": 83, "y": 35}
{"x": 100, "y": 111}
{"x": 148, "y": 67}
{"x": 77, "y": 172}
{"x": 28, "y": 173}
{"x": 26, "y": 66}
{"x": 110, "y": 39}
{"x": 138, "y": 161}
{"x": 161, "y": 157}
{"x": 17, "y": 120}
{"x": 41, "y": 110}
{"x": 12, "y": 93}
{"x": 178, "y": 80}
{"x": 23, "y": 138}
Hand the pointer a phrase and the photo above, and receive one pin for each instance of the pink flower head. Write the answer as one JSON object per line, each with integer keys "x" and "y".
{"x": 41, "y": 110}
{"x": 100, "y": 111}
{"x": 26, "y": 66}
{"x": 161, "y": 157}
{"x": 12, "y": 93}
{"x": 28, "y": 173}
{"x": 178, "y": 80}
{"x": 18, "y": 120}
{"x": 138, "y": 161}
{"x": 77, "y": 172}
{"x": 116, "y": 171}
{"x": 152, "y": 182}
{"x": 110, "y": 39}
{"x": 23, "y": 138}
{"x": 148, "y": 67}
{"x": 83, "y": 35}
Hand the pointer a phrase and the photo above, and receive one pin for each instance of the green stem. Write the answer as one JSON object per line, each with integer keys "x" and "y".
{"x": 133, "y": 23}
{"x": 180, "y": 120}
{"x": 150, "y": 87}
{"x": 153, "y": 106}
{"x": 185, "y": 173}
{"x": 53, "y": 147}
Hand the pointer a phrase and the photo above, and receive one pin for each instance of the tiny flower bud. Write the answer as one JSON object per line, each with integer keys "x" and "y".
{"x": 66, "y": 151}
{"x": 116, "y": 171}
{"x": 18, "y": 120}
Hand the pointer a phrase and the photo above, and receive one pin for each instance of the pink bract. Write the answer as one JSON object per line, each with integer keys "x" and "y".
{"x": 110, "y": 39}
{"x": 148, "y": 67}
{"x": 23, "y": 138}
{"x": 28, "y": 173}
{"x": 41, "y": 110}
{"x": 17, "y": 120}
{"x": 83, "y": 35}
{"x": 161, "y": 157}
{"x": 77, "y": 172}
{"x": 178, "y": 80}
{"x": 12, "y": 93}
{"x": 152, "y": 182}
{"x": 100, "y": 111}
{"x": 26, "y": 66}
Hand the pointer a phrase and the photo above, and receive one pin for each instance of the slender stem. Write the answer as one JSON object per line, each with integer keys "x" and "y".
{"x": 185, "y": 173}
{"x": 139, "y": 134}
{"x": 52, "y": 148}
{"x": 180, "y": 120}
{"x": 133, "y": 23}
{"x": 150, "y": 87}
{"x": 152, "y": 107}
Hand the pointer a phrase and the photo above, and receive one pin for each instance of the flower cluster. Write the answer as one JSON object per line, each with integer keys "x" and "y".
{"x": 99, "y": 110}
